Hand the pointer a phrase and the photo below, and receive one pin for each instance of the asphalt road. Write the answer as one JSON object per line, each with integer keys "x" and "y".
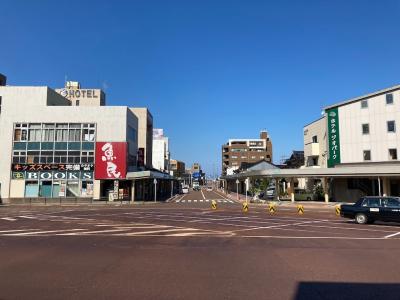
{"x": 183, "y": 250}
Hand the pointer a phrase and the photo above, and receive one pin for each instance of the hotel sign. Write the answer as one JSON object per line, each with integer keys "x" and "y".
{"x": 81, "y": 93}
{"x": 333, "y": 137}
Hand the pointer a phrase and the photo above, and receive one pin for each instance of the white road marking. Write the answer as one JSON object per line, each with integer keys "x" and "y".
{"x": 92, "y": 232}
{"x": 202, "y": 200}
{"x": 190, "y": 201}
{"x": 27, "y": 217}
{"x": 9, "y": 219}
{"x": 391, "y": 235}
{"x": 207, "y": 200}
{"x": 195, "y": 201}
{"x": 202, "y": 194}
{"x": 274, "y": 226}
{"x": 157, "y": 231}
{"x": 15, "y": 230}
{"x": 39, "y": 232}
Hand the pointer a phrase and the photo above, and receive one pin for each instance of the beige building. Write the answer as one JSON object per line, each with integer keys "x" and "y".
{"x": 57, "y": 149}
{"x": 314, "y": 134}
{"x": 239, "y": 152}
{"x": 145, "y": 137}
{"x": 177, "y": 168}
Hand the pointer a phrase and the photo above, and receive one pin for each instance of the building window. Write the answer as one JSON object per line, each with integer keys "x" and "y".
{"x": 367, "y": 155}
{"x": 393, "y": 154}
{"x": 365, "y": 128}
{"x": 389, "y": 98}
{"x": 234, "y": 156}
{"x": 77, "y": 102}
{"x": 391, "y": 126}
{"x": 0, "y": 104}
{"x": 315, "y": 139}
{"x": 315, "y": 161}
{"x": 364, "y": 104}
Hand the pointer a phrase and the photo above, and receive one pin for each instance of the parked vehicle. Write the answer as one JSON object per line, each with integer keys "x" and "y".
{"x": 370, "y": 209}
{"x": 185, "y": 189}
{"x": 270, "y": 192}
{"x": 302, "y": 195}
{"x": 209, "y": 188}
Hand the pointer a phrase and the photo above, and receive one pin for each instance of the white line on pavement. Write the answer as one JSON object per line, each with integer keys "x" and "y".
{"x": 202, "y": 194}
{"x": 391, "y": 235}
{"x": 157, "y": 231}
{"x": 9, "y": 219}
{"x": 39, "y": 232}
{"x": 195, "y": 201}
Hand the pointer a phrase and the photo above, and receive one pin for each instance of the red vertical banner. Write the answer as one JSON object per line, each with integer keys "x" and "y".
{"x": 110, "y": 160}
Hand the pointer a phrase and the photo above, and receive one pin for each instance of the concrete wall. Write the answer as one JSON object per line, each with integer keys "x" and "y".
{"x": 145, "y": 133}
{"x": 353, "y": 142}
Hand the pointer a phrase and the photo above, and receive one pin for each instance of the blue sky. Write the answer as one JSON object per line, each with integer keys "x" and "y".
{"x": 208, "y": 70}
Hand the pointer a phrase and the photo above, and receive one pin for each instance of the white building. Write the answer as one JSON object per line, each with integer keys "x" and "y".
{"x": 359, "y": 132}
{"x": 53, "y": 148}
{"x": 161, "y": 154}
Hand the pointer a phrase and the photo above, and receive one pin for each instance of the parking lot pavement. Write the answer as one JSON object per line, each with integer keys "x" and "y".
{"x": 170, "y": 251}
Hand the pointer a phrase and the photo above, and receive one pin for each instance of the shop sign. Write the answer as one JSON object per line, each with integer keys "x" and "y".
{"x": 55, "y": 175}
{"x": 110, "y": 160}
{"x": 333, "y": 137}
{"x": 52, "y": 167}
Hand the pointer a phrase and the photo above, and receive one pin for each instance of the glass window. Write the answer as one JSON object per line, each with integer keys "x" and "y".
{"x": 74, "y": 146}
{"x": 31, "y": 189}
{"x": 389, "y": 98}
{"x": 365, "y": 128}
{"x": 315, "y": 139}
{"x": 20, "y": 146}
{"x": 391, "y": 202}
{"x": 374, "y": 202}
{"x": 367, "y": 155}
{"x": 73, "y": 189}
{"x": 88, "y": 135}
{"x": 364, "y": 104}
{"x": 34, "y": 146}
{"x": 45, "y": 189}
{"x": 392, "y": 154}
{"x": 391, "y": 126}
{"x": 87, "y": 146}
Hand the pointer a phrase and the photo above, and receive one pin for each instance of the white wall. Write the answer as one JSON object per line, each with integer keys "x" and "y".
{"x": 353, "y": 142}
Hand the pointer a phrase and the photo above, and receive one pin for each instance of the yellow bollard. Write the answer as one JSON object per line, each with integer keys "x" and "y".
{"x": 337, "y": 210}
{"x": 245, "y": 207}
{"x": 213, "y": 204}
{"x": 271, "y": 208}
{"x": 300, "y": 209}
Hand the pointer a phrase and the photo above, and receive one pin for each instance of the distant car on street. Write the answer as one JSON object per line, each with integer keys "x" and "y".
{"x": 196, "y": 186}
{"x": 370, "y": 209}
{"x": 185, "y": 189}
{"x": 209, "y": 188}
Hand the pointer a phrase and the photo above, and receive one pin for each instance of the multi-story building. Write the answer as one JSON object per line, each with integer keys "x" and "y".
{"x": 239, "y": 152}
{"x": 359, "y": 132}
{"x": 177, "y": 168}
{"x": 145, "y": 137}
{"x": 52, "y": 148}
{"x": 3, "y": 80}
{"x": 161, "y": 155}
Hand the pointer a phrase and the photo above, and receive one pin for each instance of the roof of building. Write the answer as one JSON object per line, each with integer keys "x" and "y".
{"x": 384, "y": 91}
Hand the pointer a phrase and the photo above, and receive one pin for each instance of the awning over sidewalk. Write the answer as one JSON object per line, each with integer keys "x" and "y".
{"x": 148, "y": 175}
{"x": 353, "y": 171}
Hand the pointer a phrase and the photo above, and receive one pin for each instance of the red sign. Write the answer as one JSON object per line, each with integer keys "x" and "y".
{"x": 110, "y": 160}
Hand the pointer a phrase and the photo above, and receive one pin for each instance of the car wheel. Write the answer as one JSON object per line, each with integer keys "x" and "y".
{"x": 361, "y": 218}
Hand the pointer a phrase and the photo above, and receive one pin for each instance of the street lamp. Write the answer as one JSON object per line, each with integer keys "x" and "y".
{"x": 237, "y": 189}
{"x": 155, "y": 189}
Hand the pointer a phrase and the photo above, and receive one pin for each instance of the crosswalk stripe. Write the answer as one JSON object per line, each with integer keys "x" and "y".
{"x": 39, "y": 232}
{"x": 194, "y": 200}
{"x": 201, "y": 200}
{"x": 207, "y": 200}
{"x": 190, "y": 201}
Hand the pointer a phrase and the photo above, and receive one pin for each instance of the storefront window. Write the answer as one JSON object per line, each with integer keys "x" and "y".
{"x": 31, "y": 189}
{"x": 87, "y": 188}
{"x": 45, "y": 189}
{"x": 72, "y": 189}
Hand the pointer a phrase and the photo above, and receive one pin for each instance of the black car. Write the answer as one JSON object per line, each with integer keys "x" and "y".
{"x": 370, "y": 209}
